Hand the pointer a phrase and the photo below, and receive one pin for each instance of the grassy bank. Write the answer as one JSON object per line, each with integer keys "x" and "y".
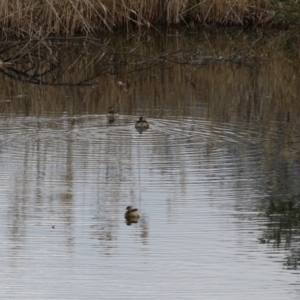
{"x": 45, "y": 17}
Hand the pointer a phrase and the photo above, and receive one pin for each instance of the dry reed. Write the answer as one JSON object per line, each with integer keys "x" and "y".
{"x": 43, "y": 18}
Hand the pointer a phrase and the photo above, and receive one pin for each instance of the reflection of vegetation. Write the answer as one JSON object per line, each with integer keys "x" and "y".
{"x": 293, "y": 261}
{"x": 46, "y": 62}
{"x": 283, "y": 226}
{"x": 235, "y": 75}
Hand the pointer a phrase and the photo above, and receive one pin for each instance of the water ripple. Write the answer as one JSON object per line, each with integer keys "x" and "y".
{"x": 200, "y": 187}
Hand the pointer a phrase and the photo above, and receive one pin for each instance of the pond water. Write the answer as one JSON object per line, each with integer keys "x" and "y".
{"x": 216, "y": 182}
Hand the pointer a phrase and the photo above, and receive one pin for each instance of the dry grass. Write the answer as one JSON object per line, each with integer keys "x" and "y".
{"x": 47, "y": 17}
{"x": 233, "y": 12}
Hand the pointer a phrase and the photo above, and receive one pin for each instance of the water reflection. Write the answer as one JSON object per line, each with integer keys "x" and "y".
{"x": 188, "y": 179}
{"x": 216, "y": 179}
{"x": 131, "y": 221}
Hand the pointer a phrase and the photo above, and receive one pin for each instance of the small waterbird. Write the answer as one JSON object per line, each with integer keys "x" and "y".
{"x": 111, "y": 114}
{"x": 132, "y": 214}
{"x": 141, "y": 124}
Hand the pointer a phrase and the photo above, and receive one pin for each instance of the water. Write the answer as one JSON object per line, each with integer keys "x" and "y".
{"x": 200, "y": 187}
{"x": 216, "y": 177}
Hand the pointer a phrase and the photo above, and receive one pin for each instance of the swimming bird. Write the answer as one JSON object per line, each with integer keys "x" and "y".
{"x": 141, "y": 124}
{"x": 111, "y": 114}
{"x": 132, "y": 214}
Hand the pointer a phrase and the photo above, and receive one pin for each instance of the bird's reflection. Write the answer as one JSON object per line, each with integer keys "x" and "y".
{"x": 141, "y": 130}
{"x": 131, "y": 221}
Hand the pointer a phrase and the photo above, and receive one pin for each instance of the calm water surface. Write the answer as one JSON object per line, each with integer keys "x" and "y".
{"x": 216, "y": 177}
{"x": 203, "y": 189}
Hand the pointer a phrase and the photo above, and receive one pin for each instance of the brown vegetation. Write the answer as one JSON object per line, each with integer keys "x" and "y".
{"x": 43, "y": 18}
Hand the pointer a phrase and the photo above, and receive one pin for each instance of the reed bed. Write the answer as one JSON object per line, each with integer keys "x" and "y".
{"x": 55, "y": 17}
